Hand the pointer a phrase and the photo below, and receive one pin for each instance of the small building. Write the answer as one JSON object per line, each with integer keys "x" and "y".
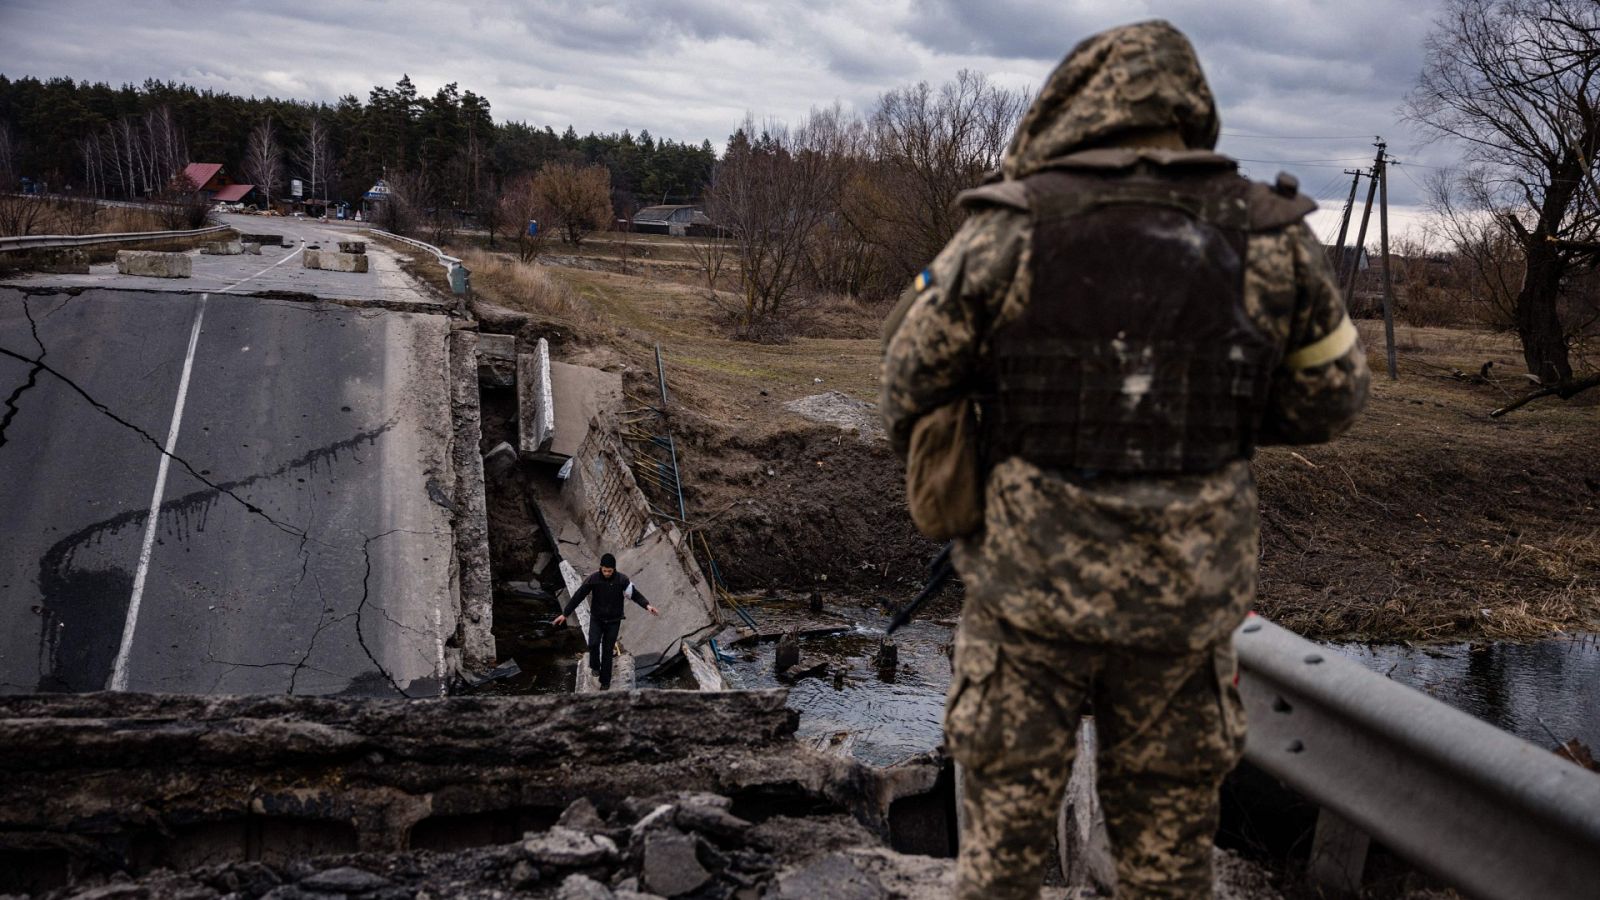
{"x": 671, "y": 219}
{"x": 213, "y": 183}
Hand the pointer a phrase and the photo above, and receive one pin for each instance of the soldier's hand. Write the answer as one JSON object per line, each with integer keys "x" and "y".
{"x": 559, "y": 621}
{"x": 652, "y": 610}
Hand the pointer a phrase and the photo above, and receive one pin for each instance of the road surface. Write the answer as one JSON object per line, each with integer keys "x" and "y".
{"x": 297, "y": 538}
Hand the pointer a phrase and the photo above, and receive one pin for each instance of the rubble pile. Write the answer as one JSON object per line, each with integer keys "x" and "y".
{"x": 686, "y": 844}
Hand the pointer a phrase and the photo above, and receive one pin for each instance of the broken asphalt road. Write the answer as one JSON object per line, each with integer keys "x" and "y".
{"x": 294, "y": 544}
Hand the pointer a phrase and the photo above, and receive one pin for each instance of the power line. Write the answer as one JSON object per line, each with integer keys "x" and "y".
{"x": 1287, "y": 162}
{"x": 1297, "y": 137}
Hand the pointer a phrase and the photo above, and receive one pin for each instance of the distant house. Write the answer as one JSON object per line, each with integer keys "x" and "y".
{"x": 214, "y": 184}
{"x": 671, "y": 219}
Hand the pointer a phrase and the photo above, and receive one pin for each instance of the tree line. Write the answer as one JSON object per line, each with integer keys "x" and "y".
{"x": 126, "y": 142}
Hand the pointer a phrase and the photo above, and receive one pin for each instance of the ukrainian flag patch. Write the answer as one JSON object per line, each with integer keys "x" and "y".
{"x": 924, "y": 280}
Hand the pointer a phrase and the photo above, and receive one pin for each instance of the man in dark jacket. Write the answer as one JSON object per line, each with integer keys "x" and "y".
{"x": 607, "y": 591}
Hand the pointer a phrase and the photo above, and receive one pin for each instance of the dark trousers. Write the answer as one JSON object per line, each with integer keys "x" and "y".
{"x": 602, "y": 639}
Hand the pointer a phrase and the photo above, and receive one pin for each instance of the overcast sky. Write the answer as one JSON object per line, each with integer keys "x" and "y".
{"x": 1321, "y": 77}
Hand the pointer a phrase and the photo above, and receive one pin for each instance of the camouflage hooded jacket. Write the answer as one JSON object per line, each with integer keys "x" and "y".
{"x": 1165, "y": 563}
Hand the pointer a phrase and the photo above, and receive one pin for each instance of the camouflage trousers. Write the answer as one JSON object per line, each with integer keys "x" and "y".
{"x": 1170, "y": 727}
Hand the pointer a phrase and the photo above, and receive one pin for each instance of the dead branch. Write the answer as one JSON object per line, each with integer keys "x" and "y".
{"x": 1566, "y": 390}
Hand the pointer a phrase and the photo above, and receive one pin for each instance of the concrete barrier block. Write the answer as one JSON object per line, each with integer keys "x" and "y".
{"x": 154, "y": 264}
{"x": 275, "y": 240}
{"x": 352, "y": 246}
{"x": 222, "y": 248}
{"x": 312, "y": 259}
{"x": 251, "y": 248}
{"x": 329, "y": 261}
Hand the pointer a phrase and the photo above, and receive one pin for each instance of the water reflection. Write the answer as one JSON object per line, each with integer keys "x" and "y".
{"x": 1512, "y": 686}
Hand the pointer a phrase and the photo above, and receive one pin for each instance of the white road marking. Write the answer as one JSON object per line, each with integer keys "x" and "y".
{"x": 119, "y": 670}
{"x": 280, "y": 262}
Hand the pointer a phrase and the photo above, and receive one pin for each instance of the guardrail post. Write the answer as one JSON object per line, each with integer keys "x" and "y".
{"x": 1338, "y": 855}
{"x": 459, "y": 276}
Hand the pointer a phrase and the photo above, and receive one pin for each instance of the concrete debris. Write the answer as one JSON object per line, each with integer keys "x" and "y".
{"x": 842, "y": 411}
{"x": 153, "y": 264}
{"x": 250, "y": 248}
{"x": 497, "y": 359}
{"x": 345, "y": 879}
{"x": 528, "y": 590}
{"x": 275, "y": 240}
{"x": 563, "y": 847}
{"x": 498, "y": 319}
{"x": 670, "y": 866}
{"x": 352, "y": 246}
{"x": 582, "y": 816}
{"x": 582, "y": 887}
{"x": 330, "y": 261}
{"x": 221, "y": 248}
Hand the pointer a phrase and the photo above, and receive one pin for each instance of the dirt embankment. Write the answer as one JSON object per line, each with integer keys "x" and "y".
{"x": 1430, "y": 520}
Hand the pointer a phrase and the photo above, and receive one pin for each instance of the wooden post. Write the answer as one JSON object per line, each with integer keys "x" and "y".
{"x": 1344, "y": 223}
{"x": 1361, "y": 238}
{"x": 1388, "y": 279}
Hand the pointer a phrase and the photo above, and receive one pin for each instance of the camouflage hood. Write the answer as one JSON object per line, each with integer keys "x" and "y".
{"x": 1143, "y": 76}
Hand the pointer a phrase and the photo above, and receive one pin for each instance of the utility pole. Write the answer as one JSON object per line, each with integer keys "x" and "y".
{"x": 1382, "y": 167}
{"x": 1361, "y": 236}
{"x": 1344, "y": 223}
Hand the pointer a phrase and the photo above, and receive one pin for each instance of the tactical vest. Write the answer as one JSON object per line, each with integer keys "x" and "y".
{"x": 1134, "y": 354}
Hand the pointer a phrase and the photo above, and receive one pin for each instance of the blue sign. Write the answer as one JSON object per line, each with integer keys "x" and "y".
{"x": 533, "y": 228}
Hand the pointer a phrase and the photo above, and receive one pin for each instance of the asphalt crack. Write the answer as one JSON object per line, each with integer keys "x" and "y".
{"x": 106, "y": 411}
{"x": 33, "y": 374}
{"x": 361, "y": 638}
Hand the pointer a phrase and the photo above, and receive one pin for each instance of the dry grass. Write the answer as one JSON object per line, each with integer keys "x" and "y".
{"x": 530, "y": 288}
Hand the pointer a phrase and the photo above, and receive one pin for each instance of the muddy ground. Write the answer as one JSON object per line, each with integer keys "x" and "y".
{"x": 1430, "y": 520}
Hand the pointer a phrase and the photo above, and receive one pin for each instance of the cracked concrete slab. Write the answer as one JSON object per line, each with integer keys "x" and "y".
{"x": 296, "y": 545}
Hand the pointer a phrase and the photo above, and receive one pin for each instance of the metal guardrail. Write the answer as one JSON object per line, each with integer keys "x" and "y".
{"x": 455, "y": 270}
{"x": 1478, "y": 807}
{"x": 61, "y": 241}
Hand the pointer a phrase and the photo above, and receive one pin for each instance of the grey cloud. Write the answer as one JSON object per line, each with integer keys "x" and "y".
{"x": 690, "y": 69}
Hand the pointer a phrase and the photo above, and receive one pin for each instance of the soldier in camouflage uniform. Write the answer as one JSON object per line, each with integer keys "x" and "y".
{"x": 1134, "y": 318}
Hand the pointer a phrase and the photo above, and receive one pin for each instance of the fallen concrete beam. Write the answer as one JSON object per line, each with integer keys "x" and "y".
{"x": 475, "y": 627}
{"x": 221, "y": 248}
{"x": 579, "y": 395}
{"x": 154, "y": 264}
{"x": 623, "y": 677}
{"x": 703, "y": 666}
{"x": 536, "y": 417}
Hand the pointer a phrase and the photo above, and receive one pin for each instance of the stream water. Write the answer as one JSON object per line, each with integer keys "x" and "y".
{"x": 849, "y": 706}
{"x": 1543, "y": 692}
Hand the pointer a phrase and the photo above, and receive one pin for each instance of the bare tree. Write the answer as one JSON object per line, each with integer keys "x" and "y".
{"x": 316, "y": 157}
{"x": 519, "y": 206}
{"x": 925, "y": 146}
{"x": 575, "y": 200}
{"x": 20, "y": 214}
{"x": 1516, "y": 81}
{"x": 772, "y": 192}
{"x": 263, "y": 160}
